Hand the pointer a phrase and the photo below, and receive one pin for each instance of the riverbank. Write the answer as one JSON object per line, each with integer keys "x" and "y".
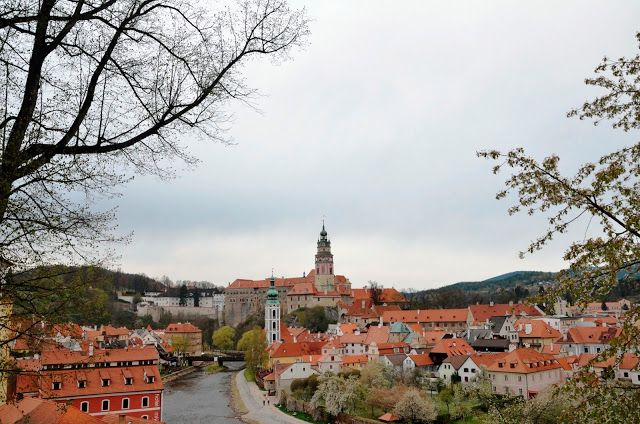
{"x": 260, "y": 408}
{"x": 181, "y": 373}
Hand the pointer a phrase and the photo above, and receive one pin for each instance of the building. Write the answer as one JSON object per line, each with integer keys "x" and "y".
{"x": 184, "y": 337}
{"x": 536, "y": 333}
{"x": 320, "y": 287}
{"x": 480, "y": 315}
{"x": 97, "y": 382}
{"x": 272, "y": 313}
{"x": 593, "y": 340}
{"x": 524, "y": 372}
{"x": 453, "y": 320}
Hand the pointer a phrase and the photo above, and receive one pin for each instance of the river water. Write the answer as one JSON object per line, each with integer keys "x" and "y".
{"x": 200, "y": 398}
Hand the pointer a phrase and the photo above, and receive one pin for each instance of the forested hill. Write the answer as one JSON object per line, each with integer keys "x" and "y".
{"x": 108, "y": 280}
{"x": 513, "y": 286}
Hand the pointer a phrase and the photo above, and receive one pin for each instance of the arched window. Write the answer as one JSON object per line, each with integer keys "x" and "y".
{"x": 105, "y": 405}
{"x": 145, "y": 401}
{"x": 84, "y": 406}
{"x": 273, "y": 313}
{"x": 125, "y": 403}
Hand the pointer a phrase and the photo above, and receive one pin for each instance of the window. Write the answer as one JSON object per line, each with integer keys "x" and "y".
{"x": 105, "y": 405}
{"x": 273, "y": 313}
{"x": 466, "y": 370}
{"x": 145, "y": 417}
{"x": 151, "y": 378}
{"x": 105, "y": 382}
{"x": 128, "y": 381}
{"x": 82, "y": 384}
{"x": 125, "y": 403}
{"x": 520, "y": 379}
{"x": 56, "y": 385}
{"x": 145, "y": 401}
{"x": 84, "y": 406}
{"x": 520, "y": 391}
{"x": 586, "y": 350}
{"x": 626, "y": 374}
{"x": 506, "y": 378}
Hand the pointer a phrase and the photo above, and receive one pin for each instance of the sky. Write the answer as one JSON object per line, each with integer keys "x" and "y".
{"x": 375, "y": 126}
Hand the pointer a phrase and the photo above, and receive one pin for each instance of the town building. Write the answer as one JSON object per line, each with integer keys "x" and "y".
{"x": 96, "y": 381}
{"x": 184, "y": 337}
{"x": 524, "y": 372}
{"x": 272, "y": 313}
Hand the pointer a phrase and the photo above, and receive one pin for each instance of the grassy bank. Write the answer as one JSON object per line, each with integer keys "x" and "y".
{"x": 236, "y": 400}
{"x": 214, "y": 368}
{"x": 249, "y": 375}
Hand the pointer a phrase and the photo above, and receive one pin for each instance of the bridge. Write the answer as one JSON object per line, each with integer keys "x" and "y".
{"x": 220, "y": 357}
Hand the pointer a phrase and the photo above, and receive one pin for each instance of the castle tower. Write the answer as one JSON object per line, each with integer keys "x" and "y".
{"x": 272, "y": 313}
{"x": 325, "y": 278}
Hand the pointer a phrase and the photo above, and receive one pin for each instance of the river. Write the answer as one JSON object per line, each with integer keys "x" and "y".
{"x": 200, "y": 398}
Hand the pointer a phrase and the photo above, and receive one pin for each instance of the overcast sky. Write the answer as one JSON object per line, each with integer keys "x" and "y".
{"x": 375, "y": 125}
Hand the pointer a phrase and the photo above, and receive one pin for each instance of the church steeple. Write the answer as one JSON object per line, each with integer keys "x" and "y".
{"x": 272, "y": 312}
{"x": 324, "y": 279}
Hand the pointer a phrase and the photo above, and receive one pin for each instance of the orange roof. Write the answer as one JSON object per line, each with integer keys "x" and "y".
{"x": 421, "y": 360}
{"x": 432, "y": 336}
{"x": 66, "y": 356}
{"x": 388, "y": 417}
{"x": 388, "y": 295}
{"x": 353, "y": 338}
{"x": 354, "y": 359}
{"x": 538, "y": 329}
{"x": 487, "y": 359}
{"x": 592, "y": 335}
{"x": 270, "y": 377}
{"x": 426, "y": 315}
{"x": 524, "y": 361}
{"x": 36, "y": 410}
{"x": 242, "y": 283}
{"x": 453, "y": 347}
{"x": 377, "y": 335}
{"x": 111, "y": 331}
{"x": 182, "y": 328}
{"x": 481, "y": 313}
{"x": 288, "y": 350}
{"x": 348, "y": 328}
{"x": 302, "y": 289}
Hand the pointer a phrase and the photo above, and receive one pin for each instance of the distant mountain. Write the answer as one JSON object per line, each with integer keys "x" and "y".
{"x": 513, "y": 286}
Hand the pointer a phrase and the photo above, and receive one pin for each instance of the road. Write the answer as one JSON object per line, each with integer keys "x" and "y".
{"x": 263, "y": 414}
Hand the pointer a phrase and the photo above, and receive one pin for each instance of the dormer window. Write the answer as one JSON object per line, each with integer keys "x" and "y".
{"x": 128, "y": 381}
{"x": 82, "y": 384}
{"x": 56, "y": 385}
{"x": 105, "y": 382}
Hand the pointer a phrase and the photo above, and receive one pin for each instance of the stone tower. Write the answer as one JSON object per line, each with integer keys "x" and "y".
{"x": 325, "y": 277}
{"x": 272, "y": 313}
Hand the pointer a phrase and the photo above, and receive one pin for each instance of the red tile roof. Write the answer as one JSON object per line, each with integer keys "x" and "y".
{"x": 525, "y": 361}
{"x": 426, "y": 315}
{"x": 591, "y": 335}
{"x": 387, "y": 295}
{"x": 538, "y": 329}
{"x": 453, "y": 347}
{"x": 288, "y": 350}
{"x": 182, "y": 328}
{"x": 421, "y": 360}
{"x": 42, "y": 411}
{"x": 481, "y": 313}
{"x": 66, "y": 356}
{"x": 354, "y": 359}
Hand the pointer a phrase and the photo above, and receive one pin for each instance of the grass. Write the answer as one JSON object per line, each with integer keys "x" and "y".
{"x": 249, "y": 375}
{"x": 299, "y": 415}
{"x": 236, "y": 401}
{"x": 214, "y": 368}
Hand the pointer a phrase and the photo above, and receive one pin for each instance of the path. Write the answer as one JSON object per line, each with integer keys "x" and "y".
{"x": 263, "y": 414}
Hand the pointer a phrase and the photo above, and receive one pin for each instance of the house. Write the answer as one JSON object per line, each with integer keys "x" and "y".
{"x": 417, "y": 362}
{"x": 536, "y": 333}
{"x": 524, "y": 372}
{"x": 591, "y": 340}
{"x": 481, "y": 314}
{"x": 446, "y": 348}
{"x": 450, "y": 366}
{"x": 395, "y": 361}
{"x": 98, "y": 381}
{"x": 474, "y": 365}
{"x": 454, "y": 320}
{"x": 354, "y": 362}
{"x": 284, "y": 375}
{"x": 289, "y": 352}
{"x": 185, "y": 337}
{"x": 503, "y": 326}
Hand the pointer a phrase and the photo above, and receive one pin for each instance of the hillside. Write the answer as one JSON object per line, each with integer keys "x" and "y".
{"x": 513, "y": 286}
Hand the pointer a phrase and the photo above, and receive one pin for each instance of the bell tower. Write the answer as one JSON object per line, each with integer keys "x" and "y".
{"x": 325, "y": 277}
{"x": 272, "y": 313}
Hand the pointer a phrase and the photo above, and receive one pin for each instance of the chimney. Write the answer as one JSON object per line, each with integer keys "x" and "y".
{"x": 527, "y": 328}
{"x": 491, "y": 303}
{"x": 511, "y": 303}
{"x": 91, "y": 349}
{"x": 362, "y": 302}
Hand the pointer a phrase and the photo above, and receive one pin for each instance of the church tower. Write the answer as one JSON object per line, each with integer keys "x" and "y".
{"x": 272, "y": 313}
{"x": 325, "y": 278}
